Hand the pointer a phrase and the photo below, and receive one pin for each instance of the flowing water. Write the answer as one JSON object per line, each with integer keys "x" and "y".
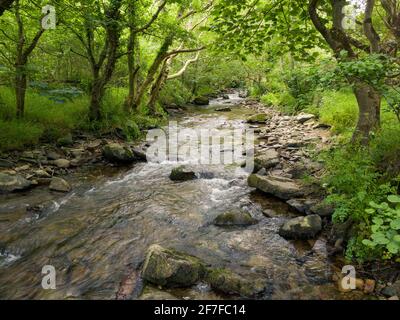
{"x": 98, "y": 234}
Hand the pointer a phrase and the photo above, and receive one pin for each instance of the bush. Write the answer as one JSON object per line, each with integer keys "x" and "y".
{"x": 355, "y": 185}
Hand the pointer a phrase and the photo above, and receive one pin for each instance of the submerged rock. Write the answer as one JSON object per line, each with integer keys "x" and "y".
{"x": 226, "y": 281}
{"x": 170, "y": 268}
{"x": 223, "y": 109}
{"x": 236, "y": 218}
{"x": 60, "y": 185}
{"x": 152, "y": 293}
{"x": 182, "y": 174}
{"x": 12, "y": 183}
{"x": 258, "y": 118}
{"x": 118, "y": 153}
{"x": 301, "y": 227}
{"x": 201, "y": 101}
{"x": 279, "y": 187}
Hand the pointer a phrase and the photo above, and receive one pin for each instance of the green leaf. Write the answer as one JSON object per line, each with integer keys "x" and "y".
{"x": 393, "y": 247}
{"x": 395, "y": 224}
{"x": 394, "y": 199}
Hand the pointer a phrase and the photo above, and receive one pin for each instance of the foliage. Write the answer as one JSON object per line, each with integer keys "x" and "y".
{"x": 385, "y": 228}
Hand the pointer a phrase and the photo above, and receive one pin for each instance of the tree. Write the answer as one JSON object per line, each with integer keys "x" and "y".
{"x": 98, "y": 28}
{"x": 18, "y": 57}
{"x": 252, "y": 24}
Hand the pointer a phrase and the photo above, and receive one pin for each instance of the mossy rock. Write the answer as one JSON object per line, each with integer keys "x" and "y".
{"x": 65, "y": 141}
{"x": 118, "y": 153}
{"x": 235, "y": 218}
{"x": 182, "y": 174}
{"x": 170, "y": 268}
{"x": 224, "y": 280}
{"x": 259, "y": 118}
{"x": 301, "y": 227}
{"x": 201, "y": 101}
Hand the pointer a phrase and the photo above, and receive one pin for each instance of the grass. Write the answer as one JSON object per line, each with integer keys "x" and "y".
{"x": 46, "y": 120}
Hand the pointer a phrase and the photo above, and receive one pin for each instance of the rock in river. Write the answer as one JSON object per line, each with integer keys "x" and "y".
{"x": 201, "y": 101}
{"x": 182, "y": 174}
{"x": 170, "y": 268}
{"x": 258, "y": 118}
{"x": 118, "y": 153}
{"x": 60, "y": 185}
{"x": 301, "y": 227}
{"x": 228, "y": 282}
{"x": 268, "y": 159}
{"x": 234, "y": 218}
{"x": 11, "y": 183}
{"x": 279, "y": 187}
{"x": 303, "y": 117}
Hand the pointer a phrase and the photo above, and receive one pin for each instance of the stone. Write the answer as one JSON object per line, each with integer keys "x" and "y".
{"x": 394, "y": 298}
{"x": 65, "y": 141}
{"x": 301, "y": 205}
{"x": 12, "y": 183}
{"x": 235, "y": 218}
{"x": 323, "y": 209}
{"x": 139, "y": 154}
{"x": 52, "y": 155}
{"x": 6, "y": 163}
{"x": 279, "y": 187}
{"x": 223, "y": 109}
{"x": 226, "y": 281}
{"x": 182, "y": 174}
{"x": 152, "y": 293}
{"x": 170, "y": 268}
{"x": 301, "y": 227}
{"x": 92, "y": 146}
{"x": 304, "y": 117}
{"x": 42, "y": 174}
{"x": 62, "y": 163}
{"x": 369, "y": 286}
{"x": 258, "y": 118}
{"x": 225, "y": 96}
{"x": 268, "y": 159}
{"x": 392, "y": 290}
{"x": 201, "y": 101}
{"x": 118, "y": 153}
{"x": 60, "y": 185}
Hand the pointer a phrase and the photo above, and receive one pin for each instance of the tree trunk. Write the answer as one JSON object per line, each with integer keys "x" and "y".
{"x": 20, "y": 90}
{"x": 369, "y": 105}
{"x": 157, "y": 87}
{"x": 96, "y": 96}
{"x": 133, "y": 71}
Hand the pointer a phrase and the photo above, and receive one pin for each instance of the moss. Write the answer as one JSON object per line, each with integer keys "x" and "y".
{"x": 226, "y": 281}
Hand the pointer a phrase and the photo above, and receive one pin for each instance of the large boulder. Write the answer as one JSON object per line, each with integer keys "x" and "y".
{"x": 301, "y": 227}
{"x": 258, "y": 118}
{"x": 234, "y": 218}
{"x": 201, "y": 101}
{"x": 268, "y": 159}
{"x": 59, "y": 185}
{"x": 117, "y": 153}
{"x": 226, "y": 281}
{"x": 12, "y": 183}
{"x": 182, "y": 174}
{"x": 170, "y": 268}
{"x": 279, "y": 187}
